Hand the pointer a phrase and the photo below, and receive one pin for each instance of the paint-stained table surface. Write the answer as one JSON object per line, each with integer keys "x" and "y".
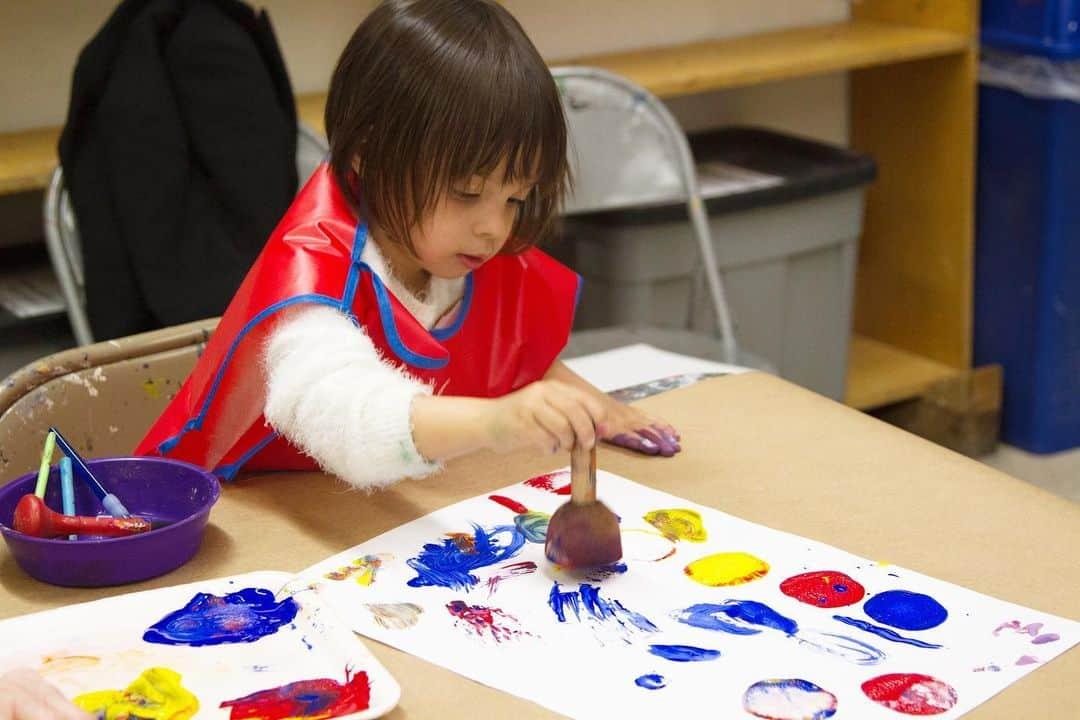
{"x": 753, "y": 446}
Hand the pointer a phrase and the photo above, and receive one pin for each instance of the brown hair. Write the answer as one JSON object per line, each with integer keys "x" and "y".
{"x": 433, "y": 92}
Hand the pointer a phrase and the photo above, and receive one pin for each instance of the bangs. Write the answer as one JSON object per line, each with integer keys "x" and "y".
{"x": 456, "y": 94}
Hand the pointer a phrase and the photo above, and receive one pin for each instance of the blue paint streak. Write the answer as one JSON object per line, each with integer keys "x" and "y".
{"x": 885, "y": 633}
{"x": 650, "y": 682}
{"x": 588, "y": 596}
{"x": 868, "y": 654}
{"x": 242, "y": 616}
{"x": 906, "y": 610}
{"x": 605, "y": 571}
{"x": 736, "y": 617}
{"x": 683, "y": 653}
{"x": 446, "y": 565}
{"x": 558, "y": 601}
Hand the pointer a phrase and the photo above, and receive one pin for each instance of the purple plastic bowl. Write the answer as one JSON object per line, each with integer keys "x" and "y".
{"x": 158, "y": 489}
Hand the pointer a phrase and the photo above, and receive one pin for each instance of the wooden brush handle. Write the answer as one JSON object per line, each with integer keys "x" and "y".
{"x": 583, "y": 475}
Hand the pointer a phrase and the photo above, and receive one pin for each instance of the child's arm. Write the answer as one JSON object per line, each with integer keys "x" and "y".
{"x": 626, "y": 425}
{"x": 548, "y": 416}
{"x": 25, "y": 695}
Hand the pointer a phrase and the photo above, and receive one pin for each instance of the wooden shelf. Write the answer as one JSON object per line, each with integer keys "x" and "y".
{"x": 27, "y": 157}
{"x": 768, "y": 57}
{"x": 880, "y": 374}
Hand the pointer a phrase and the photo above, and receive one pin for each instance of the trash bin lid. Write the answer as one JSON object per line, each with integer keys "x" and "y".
{"x": 743, "y": 168}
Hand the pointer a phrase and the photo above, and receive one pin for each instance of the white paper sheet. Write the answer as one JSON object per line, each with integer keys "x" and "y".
{"x": 641, "y": 363}
{"x": 496, "y": 621}
{"x": 99, "y": 646}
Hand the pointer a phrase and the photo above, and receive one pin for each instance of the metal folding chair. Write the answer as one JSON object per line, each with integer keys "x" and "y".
{"x": 626, "y": 149}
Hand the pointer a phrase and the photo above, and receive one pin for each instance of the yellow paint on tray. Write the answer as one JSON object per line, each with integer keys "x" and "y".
{"x": 678, "y": 524}
{"x": 729, "y": 568}
{"x": 155, "y": 695}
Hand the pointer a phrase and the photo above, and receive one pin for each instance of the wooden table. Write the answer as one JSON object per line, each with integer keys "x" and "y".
{"x": 754, "y": 446}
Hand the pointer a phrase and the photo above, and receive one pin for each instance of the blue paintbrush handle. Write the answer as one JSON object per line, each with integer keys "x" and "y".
{"x": 110, "y": 502}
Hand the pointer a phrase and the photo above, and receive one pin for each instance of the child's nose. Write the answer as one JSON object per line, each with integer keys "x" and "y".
{"x": 493, "y": 224}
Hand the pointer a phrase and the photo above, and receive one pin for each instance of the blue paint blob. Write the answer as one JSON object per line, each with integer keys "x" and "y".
{"x": 840, "y": 588}
{"x": 683, "y": 653}
{"x": 738, "y": 617}
{"x": 906, "y": 610}
{"x": 599, "y": 608}
{"x": 242, "y": 616}
{"x": 883, "y": 632}
{"x": 651, "y": 682}
{"x": 797, "y": 698}
{"x": 448, "y": 565}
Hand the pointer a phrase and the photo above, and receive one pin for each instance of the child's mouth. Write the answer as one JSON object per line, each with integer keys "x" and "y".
{"x": 471, "y": 261}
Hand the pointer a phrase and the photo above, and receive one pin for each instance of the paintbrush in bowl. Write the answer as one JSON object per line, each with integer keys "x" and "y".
{"x": 583, "y": 533}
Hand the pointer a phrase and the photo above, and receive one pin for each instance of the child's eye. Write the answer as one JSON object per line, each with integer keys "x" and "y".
{"x": 466, "y": 195}
{"x": 516, "y": 201}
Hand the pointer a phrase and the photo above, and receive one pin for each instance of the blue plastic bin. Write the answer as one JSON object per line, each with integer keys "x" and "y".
{"x": 1027, "y": 251}
{"x": 1050, "y": 28}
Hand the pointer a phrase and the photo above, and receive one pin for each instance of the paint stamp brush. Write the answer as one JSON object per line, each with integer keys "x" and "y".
{"x": 46, "y": 462}
{"x": 33, "y": 517}
{"x": 67, "y": 489}
{"x": 583, "y": 533}
{"x": 110, "y": 502}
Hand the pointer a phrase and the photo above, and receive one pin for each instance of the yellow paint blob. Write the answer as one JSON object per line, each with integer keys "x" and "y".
{"x": 678, "y": 524}
{"x": 155, "y": 695}
{"x": 362, "y": 569}
{"x": 730, "y": 568}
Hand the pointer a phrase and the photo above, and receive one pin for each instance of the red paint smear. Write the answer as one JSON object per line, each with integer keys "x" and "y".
{"x": 509, "y": 503}
{"x": 898, "y": 691}
{"x": 547, "y": 482}
{"x": 823, "y": 588}
{"x": 482, "y": 619}
{"x": 322, "y": 697}
{"x": 512, "y": 570}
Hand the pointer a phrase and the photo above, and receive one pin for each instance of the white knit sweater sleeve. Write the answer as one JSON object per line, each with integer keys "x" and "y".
{"x": 333, "y": 397}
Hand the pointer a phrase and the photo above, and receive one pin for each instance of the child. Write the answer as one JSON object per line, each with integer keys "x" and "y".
{"x": 399, "y": 316}
{"x": 25, "y": 695}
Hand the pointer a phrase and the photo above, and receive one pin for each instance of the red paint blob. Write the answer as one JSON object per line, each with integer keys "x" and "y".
{"x": 483, "y": 620}
{"x": 823, "y": 588}
{"x": 547, "y": 482}
{"x": 509, "y": 503}
{"x": 322, "y": 697}
{"x": 911, "y": 693}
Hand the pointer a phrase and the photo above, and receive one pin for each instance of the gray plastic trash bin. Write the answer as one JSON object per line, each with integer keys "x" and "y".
{"x": 785, "y": 216}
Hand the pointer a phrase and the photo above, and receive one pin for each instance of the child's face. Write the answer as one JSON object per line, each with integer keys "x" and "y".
{"x": 469, "y": 225}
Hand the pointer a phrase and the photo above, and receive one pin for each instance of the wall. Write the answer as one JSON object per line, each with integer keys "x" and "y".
{"x": 40, "y": 41}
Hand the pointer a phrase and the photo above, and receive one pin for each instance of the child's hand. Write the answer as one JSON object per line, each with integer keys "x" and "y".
{"x": 633, "y": 429}
{"x": 547, "y": 415}
{"x": 25, "y": 695}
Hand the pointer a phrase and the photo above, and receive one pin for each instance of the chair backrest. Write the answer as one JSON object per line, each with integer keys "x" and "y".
{"x": 626, "y": 149}
{"x": 103, "y": 397}
{"x": 65, "y": 246}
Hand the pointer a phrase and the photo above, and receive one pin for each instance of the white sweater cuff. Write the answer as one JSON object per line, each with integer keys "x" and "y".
{"x": 334, "y": 398}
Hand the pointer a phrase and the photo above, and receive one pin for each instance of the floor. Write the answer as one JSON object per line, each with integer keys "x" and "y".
{"x": 1058, "y": 473}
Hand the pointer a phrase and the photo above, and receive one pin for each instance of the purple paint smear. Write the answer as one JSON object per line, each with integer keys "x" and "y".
{"x": 587, "y": 597}
{"x": 683, "y": 653}
{"x": 242, "y": 616}
{"x": 447, "y": 564}
{"x": 885, "y": 633}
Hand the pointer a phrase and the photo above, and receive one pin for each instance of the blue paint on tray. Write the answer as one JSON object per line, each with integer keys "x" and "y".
{"x": 242, "y": 616}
